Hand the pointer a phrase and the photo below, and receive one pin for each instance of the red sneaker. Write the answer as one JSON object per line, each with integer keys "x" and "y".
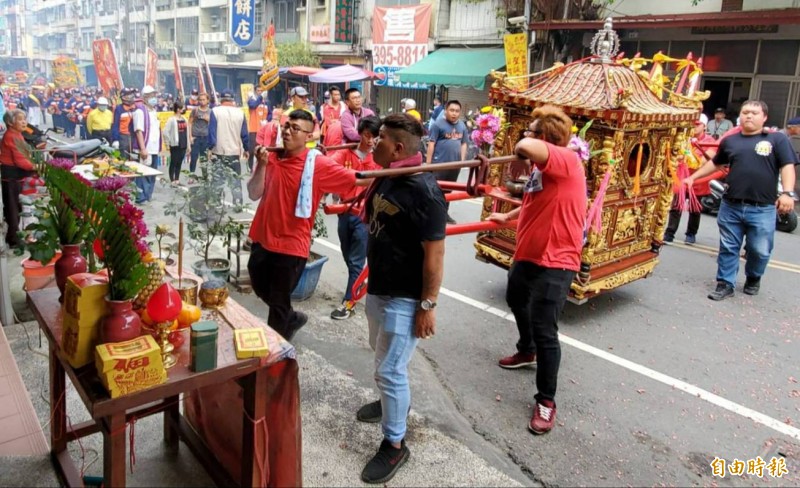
{"x": 518, "y": 360}
{"x": 544, "y": 417}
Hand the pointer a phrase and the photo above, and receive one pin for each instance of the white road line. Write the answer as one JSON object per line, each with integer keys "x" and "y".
{"x": 717, "y": 400}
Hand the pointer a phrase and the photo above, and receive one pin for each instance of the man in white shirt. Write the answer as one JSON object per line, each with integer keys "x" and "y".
{"x": 227, "y": 140}
{"x": 147, "y": 141}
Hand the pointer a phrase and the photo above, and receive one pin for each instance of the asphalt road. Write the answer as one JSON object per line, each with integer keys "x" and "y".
{"x": 655, "y": 382}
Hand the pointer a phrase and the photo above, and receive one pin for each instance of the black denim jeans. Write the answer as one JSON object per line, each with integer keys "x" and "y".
{"x": 176, "y": 156}
{"x": 537, "y": 296}
{"x": 274, "y": 276}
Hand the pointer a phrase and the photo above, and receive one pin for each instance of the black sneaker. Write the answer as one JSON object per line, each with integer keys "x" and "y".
{"x": 384, "y": 465}
{"x": 297, "y": 323}
{"x": 370, "y": 413}
{"x": 451, "y": 220}
{"x": 669, "y": 237}
{"x": 343, "y": 312}
{"x": 751, "y": 286}
{"x": 690, "y": 239}
{"x": 722, "y": 292}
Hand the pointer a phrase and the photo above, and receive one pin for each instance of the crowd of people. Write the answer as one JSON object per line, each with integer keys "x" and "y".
{"x": 400, "y": 232}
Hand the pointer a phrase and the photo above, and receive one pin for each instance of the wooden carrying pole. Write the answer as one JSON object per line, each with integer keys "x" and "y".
{"x": 470, "y": 163}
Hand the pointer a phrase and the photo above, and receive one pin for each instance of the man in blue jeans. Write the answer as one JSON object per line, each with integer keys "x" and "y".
{"x": 147, "y": 141}
{"x": 352, "y": 230}
{"x": 406, "y": 218}
{"x": 756, "y": 158}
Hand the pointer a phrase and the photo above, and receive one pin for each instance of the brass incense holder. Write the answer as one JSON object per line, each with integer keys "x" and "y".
{"x": 213, "y": 298}
{"x": 187, "y": 289}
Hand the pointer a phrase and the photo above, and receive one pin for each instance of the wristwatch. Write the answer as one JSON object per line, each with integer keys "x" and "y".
{"x": 427, "y": 305}
{"x": 792, "y": 194}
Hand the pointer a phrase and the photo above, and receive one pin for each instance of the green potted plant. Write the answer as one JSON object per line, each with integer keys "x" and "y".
{"x": 120, "y": 230}
{"x": 59, "y": 225}
{"x": 210, "y": 218}
{"x": 311, "y": 273}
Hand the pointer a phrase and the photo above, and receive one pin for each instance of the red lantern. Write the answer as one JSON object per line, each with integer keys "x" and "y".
{"x": 165, "y": 304}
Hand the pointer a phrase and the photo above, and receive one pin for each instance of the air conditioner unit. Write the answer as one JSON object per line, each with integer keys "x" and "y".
{"x": 231, "y": 49}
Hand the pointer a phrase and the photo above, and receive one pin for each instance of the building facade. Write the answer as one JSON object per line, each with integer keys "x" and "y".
{"x": 750, "y": 49}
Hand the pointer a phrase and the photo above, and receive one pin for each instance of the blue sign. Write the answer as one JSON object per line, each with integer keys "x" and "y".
{"x": 243, "y": 21}
{"x": 392, "y": 79}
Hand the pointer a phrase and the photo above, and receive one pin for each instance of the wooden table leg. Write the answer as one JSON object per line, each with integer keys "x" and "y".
{"x": 58, "y": 404}
{"x": 58, "y": 424}
{"x": 255, "y": 407}
{"x": 171, "y": 420}
{"x": 114, "y": 462}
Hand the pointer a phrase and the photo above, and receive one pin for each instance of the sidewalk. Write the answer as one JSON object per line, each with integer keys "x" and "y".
{"x": 335, "y": 380}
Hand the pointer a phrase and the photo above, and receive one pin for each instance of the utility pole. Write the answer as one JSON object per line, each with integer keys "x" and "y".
{"x": 528, "y": 43}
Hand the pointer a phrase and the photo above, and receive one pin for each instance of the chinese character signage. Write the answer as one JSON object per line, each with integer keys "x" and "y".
{"x": 343, "y": 21}
{"x": 516, "y": 47}
{"x": 243, "y": 20}
{"x": 105, "y": 64}
{"x": 321, "y": 34}
{"x": 399, "y": 39}
{"x": 151, "y": 69}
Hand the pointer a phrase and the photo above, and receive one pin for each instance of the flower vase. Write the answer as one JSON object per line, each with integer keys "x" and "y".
{"x": 121, "y": 323}
{"x": 71, "y": 262}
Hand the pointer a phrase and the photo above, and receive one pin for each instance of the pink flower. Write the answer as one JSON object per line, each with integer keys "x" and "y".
{"x": 110, "y": 183}
{"x": 62, "y": 163}
{"x": 476, "y": 136}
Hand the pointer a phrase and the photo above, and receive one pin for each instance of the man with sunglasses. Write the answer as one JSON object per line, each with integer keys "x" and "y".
{"x": 290, "y": 185}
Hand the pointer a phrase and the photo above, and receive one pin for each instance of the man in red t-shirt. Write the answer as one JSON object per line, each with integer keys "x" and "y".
{"x": 331, "y": 115}
{"x": 281, "y": 235}
{"x": 696, "y": 160}
{"x": 352, "y": 230}
{"x": 550, "y": 231}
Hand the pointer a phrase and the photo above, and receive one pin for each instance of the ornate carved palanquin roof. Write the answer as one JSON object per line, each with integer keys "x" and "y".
{"x": 609, "y": 91}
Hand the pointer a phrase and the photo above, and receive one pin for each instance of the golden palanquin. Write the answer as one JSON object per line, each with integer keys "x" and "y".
{"x": 626, "y": 112}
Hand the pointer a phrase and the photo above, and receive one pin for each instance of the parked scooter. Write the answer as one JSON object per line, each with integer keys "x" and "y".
{"x": 81, "y": 150}
{"x": 784, "y": 222}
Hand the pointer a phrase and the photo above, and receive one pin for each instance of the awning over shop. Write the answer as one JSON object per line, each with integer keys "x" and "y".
{"x": 455, "y": 67}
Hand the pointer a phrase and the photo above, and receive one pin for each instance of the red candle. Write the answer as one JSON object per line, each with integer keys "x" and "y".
{"x": 165, "y": 304}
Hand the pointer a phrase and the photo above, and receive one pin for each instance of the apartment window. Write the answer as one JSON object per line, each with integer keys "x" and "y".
{"x": 680, "y": 49}
{"x": 730, "y": 56}
{"x": 260, "y": 27}
{"x": 778, "y": 57}
{"x": 286, "y": 16}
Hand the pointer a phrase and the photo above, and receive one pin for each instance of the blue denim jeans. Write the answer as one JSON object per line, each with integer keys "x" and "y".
{"x": 146, "y": 184}
{"x": 199, "y": 148}
{"x": 391, "y": 335}
{"x": 737, "y": 221}
{"x": 353, "y": 239}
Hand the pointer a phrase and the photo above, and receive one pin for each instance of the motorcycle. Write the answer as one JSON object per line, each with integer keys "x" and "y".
{"x": 784, "y": 222}
{"x": 80, "y": 151}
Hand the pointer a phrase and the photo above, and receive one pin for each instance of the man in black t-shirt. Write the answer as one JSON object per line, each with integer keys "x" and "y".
{"x": 406, "y": 217}
{"x": 756, "y": 158}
